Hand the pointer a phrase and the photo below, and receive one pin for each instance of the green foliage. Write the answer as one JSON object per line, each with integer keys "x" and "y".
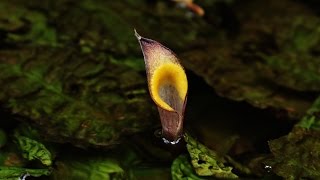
{"x": 136, "y": 64}
{"x": 15, "y": 18}
{"x": 293, "y": 72}
{"x": 93, "y": 168}
{"x": 311, "y": 120}
{"x": 32, "y": 149}
{"x": 297, "y": 155}
{"x": 294, "y": 65}
{"x": 207, "y": 162}
{"x": 181, "y": 169}
{"x": 14, "y": 173}
{"x": 93, "y": 100}
{"x": 267, "y": 61}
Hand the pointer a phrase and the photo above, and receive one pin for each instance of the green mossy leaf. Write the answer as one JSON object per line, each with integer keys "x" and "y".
{"x": 270, "y": 62}
{"x": 207, "y": 162}
{"x": 33, "y": 24}
{"x": 182, "y": 169}
{"x": 32, "y": 149}
{"x": 311, "y": 120}
{"x": 93, "y": 168}
{"x": 297, "y": 156}
{"x": 84, "y": 100}
{"x": 295, "y": 64}
{"x": 264, "y": 62}
{"x": 15, "y": 173}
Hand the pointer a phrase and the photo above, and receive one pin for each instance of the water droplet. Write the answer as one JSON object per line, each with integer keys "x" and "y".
{"x": 166, "y": 141}
{"x": 268, "y": 168}
{"x": 24, "y": 176}
{"x": 158, "y": 134}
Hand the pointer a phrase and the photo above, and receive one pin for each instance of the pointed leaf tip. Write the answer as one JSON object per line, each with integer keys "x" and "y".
{"x": 136, "y": 34}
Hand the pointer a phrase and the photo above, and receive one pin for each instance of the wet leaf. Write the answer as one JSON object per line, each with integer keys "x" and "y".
{"x": 32, "y": 149}
{"x": 182, "y": 169}
{"x": 207, "y": 162}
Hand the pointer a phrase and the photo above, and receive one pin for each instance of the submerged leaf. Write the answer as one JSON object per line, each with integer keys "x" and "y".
{"x": 207, "y": 162}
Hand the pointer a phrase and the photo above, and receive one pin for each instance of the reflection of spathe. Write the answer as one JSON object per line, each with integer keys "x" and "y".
{"x": 168, "y": 86}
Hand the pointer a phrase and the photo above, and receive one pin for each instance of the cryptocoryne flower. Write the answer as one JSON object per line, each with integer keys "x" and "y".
{"x": 168, "y": 86}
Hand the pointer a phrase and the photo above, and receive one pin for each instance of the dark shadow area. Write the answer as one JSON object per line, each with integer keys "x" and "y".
{"x": 312, "y": 4}
{"x": 206, "y": 110}
{"x": 8, "y": 122}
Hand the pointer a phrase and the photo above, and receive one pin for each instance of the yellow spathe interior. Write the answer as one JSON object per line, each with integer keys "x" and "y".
{"x": 168, "y": 73}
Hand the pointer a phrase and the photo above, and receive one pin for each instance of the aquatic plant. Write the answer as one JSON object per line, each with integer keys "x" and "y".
{"x": 168, "y": 86}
